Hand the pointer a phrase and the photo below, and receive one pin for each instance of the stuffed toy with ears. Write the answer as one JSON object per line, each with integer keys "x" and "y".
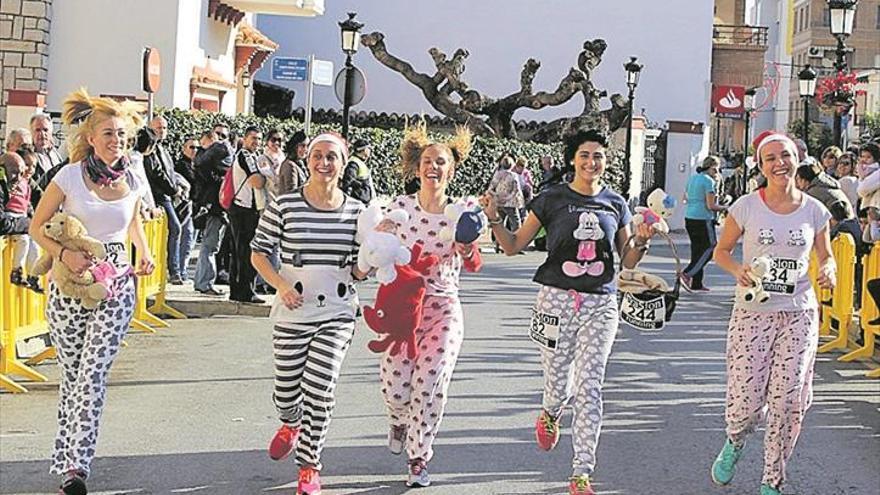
{"x": 660, "y": 207}
{"x": 397, "y": 312}
{"x": 759, "y": 267}
{"x": 380, "y": 250}
{"x": 68, "y": 231}
{"x": 469, "y": 222}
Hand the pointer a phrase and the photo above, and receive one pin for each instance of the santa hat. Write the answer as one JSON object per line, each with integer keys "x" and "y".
{"x": 330, "y": 137}
{"x": 768, "y": 137}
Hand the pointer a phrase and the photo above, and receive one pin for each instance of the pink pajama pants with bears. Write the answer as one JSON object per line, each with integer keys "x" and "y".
{"x": 770, "y": 358}
{"x": 415, "y": 390}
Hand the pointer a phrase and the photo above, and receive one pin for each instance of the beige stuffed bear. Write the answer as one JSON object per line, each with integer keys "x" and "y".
{"x": 68, "y": 231}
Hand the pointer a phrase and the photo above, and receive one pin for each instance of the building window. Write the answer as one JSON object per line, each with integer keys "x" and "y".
{"x": 878, "y": 17}
{"x": 826, "y": 17}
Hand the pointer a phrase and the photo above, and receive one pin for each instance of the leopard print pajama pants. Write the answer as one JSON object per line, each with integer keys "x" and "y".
{"x": 770, "y": 358}
{"x": 416, "y": 390}
{"x": 86, "y": 342}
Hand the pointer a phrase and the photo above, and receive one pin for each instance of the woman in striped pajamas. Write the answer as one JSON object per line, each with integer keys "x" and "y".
{"x": 315, "y": 306}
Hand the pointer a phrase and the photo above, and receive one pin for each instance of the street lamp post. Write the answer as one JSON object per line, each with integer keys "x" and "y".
{"x": 749, "y": 105}
{"x": 807, "y": 88}
{"x": 843, "y": 14}
{"x": 350, "y": 41}
{"x": 633, "y": 71}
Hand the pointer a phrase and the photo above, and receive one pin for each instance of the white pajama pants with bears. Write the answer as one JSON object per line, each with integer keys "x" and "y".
{"x": 574, "y": 371}
{"x": 416, "y": 390}
{"x": 308, "y": 359}
{"x": 86, "y": 342}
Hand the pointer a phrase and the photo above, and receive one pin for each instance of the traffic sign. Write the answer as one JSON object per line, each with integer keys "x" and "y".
{"x": 358, "y": 88}
{"x": 322, "y": 72}
{"x": 290, "y": 69}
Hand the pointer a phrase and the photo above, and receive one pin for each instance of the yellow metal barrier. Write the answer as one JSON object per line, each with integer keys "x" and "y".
{"x": 22, "y": 316}
{"x": 869, "y": 311}
{"x": 840, "y": 314}
{"x": 823, "y": 295}
{"x": 153, "y": 285}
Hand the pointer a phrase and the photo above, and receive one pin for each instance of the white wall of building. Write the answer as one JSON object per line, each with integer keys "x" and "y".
{"x": 107, "y": 58}
{"x": 673, "y": 38}
{"x": 684, "y": 152}
{"x": 775, "y": 113}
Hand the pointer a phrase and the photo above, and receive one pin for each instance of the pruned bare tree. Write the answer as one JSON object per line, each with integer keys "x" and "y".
{"x": 450, "y": 95}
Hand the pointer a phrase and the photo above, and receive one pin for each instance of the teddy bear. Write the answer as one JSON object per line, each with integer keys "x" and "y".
{"x": 68, "y": 231}
{"x": 469, "y": 222}
{"x": 380, "y": 250}
{"x": 660, "y": 207}
{"x": 758, "y": 268}
{"x": 397, "y": 312}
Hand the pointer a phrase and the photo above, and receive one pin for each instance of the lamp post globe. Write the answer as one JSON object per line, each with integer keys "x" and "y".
{"x": 807, "y": 89}
{"x": 633, "y": 71}
{"x": 843, "y": 14}
{"x": 350, "y": 40}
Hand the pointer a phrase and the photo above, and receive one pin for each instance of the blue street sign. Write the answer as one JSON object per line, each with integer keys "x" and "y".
{"x": 290, "y": 69}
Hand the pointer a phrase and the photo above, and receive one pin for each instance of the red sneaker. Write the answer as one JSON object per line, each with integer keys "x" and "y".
{"x": 547, "y": 431}
{"x": 282, "y": 443}
{"x": 580, "y": 485}
{"x": 309, "y": 481}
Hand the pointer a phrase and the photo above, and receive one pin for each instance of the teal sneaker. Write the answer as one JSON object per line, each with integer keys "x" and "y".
{"x": 724, "y": 466}
{"x": 769, "y": 490}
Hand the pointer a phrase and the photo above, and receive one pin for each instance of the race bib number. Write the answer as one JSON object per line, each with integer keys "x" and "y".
{"x": 643, "y": 314}
{"x": 544, "y": 329}
{"x": 117, "y": 254}
{"x": 782, "y": 277}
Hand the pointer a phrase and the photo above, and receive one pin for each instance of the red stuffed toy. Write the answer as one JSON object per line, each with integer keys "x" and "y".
{"x": 398, "y": 309}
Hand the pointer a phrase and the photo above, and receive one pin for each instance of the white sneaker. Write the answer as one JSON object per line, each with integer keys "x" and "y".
{"x": 396, "y": 438}
{"x": 418, "y": 474}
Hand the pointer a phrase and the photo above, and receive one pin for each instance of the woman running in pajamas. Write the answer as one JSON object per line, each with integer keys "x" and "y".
{"x": 576, "y": 315}
{"x": 771, "y": 346}
{"x": 415, "y": 390}
{"x": 100, "y": 190}
{"x": 315, "y": 303}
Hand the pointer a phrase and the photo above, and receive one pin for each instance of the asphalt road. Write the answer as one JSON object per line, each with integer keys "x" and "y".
{"x": 190, "y": 411}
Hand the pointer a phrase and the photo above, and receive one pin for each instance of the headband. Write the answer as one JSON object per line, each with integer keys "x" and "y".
{"x": 329, "y": 138}
{"x": 771, "y": 138}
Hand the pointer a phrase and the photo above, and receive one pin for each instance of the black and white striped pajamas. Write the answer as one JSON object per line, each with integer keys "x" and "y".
{"x": 318, "y": 250}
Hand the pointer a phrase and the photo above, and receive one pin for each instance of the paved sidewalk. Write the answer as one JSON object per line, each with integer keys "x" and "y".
{"x": 189, "y": 411}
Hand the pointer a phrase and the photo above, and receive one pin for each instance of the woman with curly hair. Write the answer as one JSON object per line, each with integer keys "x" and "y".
{"x": 415, "y": 390}
{"x": 99, "y": 188}
{"x": 575, "y": 318}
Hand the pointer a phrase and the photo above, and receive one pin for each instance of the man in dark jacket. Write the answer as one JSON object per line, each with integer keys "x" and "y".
{"x": 211, "y": 165}
{"x": 159, "y": 167}
{"x": 356, "y": 179}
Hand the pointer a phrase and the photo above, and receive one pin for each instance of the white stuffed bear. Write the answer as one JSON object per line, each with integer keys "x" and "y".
{"x": 380, "y": 250}
{"x": 759, "y": 267}
{"x": 660, "y": 207}
{"x": 468, "y": 222}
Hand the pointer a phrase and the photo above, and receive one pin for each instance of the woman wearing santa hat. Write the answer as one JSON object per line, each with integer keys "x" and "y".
{"x": 771, "y": 345}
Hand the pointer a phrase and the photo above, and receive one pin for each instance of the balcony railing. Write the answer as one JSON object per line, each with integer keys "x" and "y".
{"x": 755, "y": 36}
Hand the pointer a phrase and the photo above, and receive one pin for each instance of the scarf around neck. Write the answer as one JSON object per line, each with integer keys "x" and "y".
{"x": 103, "y": 175}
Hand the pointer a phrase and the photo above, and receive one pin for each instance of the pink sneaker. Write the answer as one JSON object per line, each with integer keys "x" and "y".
{"x": 283, "y": 442}
{"x": 580, "y": 485}
{"x": 547, "y": 431}
{"x": 309, "y": 481}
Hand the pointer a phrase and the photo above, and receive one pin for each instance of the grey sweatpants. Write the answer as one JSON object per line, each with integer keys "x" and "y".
{"x": 575, "y": 370}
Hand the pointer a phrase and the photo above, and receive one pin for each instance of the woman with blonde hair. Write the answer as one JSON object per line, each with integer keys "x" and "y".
{"x": 100, "y": 190}
{"x": 415, "y": 390}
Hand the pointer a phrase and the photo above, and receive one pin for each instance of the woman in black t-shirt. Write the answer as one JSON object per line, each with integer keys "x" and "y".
{"x": 576, "y": 315}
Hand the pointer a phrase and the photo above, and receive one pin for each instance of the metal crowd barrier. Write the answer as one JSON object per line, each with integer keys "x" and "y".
{"x": 23, "y": 312}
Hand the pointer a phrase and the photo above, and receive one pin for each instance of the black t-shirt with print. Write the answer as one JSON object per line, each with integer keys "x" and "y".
{"x": 581, "y": 231}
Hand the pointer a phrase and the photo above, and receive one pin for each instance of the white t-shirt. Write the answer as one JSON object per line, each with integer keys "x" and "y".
{"x": 787, "y": 240}
{"x": 244, "y": 193}
{"x": 106, "y": 221}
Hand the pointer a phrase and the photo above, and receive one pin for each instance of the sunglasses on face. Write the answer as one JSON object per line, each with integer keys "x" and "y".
{"x": 277, "y": 140}
{"x": 222, "y": 135}
{"x": 192, "y": 147}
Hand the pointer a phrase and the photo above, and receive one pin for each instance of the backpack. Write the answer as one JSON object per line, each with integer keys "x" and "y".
{"x": 227, "y": 187}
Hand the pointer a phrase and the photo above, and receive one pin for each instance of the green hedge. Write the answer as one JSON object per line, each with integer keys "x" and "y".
{"x": 471, "y": 178}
